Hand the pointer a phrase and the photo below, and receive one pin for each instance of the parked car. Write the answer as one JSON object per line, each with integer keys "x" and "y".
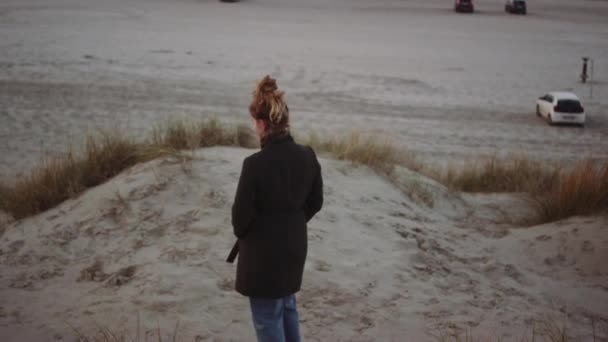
{"x": 516, "y": 6}
{"x": 463, "y": 6}
{"x": 561, "y": 107}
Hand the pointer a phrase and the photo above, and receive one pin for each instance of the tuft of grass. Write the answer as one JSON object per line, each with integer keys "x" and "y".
{"x": 514, "y": 174}
{"x": 105, "y": 333}
{"x": 580, "y": 190}
{"x": 545, "y": 328}
{"x": 555, "y": 192}
{"x": 450, "y": 333}
{"x": 105, "y": 155}
{"x": 551, "y": 328}
{"x": 57, "y": 179}
{"x": 175, "y": 134}
{"x": 182, "y": 135}
{"x": 377, "y": 153}
{"x": 380, "y": 154}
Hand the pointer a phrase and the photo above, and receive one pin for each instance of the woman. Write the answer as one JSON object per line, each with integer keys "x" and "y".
{"x": 279, "y": 191}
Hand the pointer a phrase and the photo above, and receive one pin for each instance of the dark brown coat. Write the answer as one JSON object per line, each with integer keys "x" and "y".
{"x": 279, "y": 191}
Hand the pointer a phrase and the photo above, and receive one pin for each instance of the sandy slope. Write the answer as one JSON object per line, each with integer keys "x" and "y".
{"x": 382, "y": 265}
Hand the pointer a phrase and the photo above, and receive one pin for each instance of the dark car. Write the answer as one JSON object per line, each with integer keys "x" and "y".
{"x": 516, "y": 6}
{"x": 463, "y": 6}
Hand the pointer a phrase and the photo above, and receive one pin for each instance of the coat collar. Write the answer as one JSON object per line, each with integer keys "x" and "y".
{"x": 276, "y": 138}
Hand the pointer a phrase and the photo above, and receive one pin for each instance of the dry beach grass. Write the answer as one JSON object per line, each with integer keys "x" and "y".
{"x": 56, "y": 180}
{"x": 380, "y": 154}
{"x": 109, "y": 334}
{"x": 511, "y": 174}
{"x": 555, "y": 192}
{"x": 545, "y": 328}
{"x": 105, "y": 155}
{"x": 581, "y": 190}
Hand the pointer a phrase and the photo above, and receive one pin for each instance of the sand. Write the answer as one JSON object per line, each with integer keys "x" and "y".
{"x": 444, "y": 85}
{"x": 384, "y": 265}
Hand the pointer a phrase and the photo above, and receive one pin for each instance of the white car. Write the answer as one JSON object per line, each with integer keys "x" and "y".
{"x": 561, "y": 107}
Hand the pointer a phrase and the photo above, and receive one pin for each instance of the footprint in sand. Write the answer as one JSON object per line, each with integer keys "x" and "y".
{"x": 422, "y": 243}
{"x": 17, "y": 317}
{"x": 15, "y": 246}
{"x": 49, "y": 273}
{"x": 63, "y": 237}
{"x": 558, "y": 259}
{"x": 21, "y": 282}
{"x": 543, "y": 237}
{"x": 514, "y": 273}
{"x": 404, "y": 234}
{"x": 173, "y": 255}
{"x": 488, "y": 265}
{"x": 226, "y": 284}
{"x": 432, "y": 301}
{"x": 419, "y": 231}
{"x": 215, "y": 199}
{"x": 587, "y": 246}
{"x": 93, "y": 272}
{"x": 330, "y": 216}
{"x": 122, "y": 276}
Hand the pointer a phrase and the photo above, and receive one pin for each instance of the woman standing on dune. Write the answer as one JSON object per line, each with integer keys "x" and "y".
{"x": 280, "y": 189}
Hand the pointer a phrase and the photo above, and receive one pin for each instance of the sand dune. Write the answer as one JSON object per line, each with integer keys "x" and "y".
{"x": 382, "y": 265}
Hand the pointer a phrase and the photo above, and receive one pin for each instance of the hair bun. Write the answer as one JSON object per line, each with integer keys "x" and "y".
{"x": 267, "y": 104}
{"x": 267, "y": 85}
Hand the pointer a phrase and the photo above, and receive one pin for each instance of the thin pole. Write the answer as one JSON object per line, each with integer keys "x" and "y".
{"x": 591, "y": 81}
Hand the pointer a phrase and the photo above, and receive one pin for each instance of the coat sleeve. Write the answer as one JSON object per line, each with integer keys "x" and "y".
{"x": 314, "y": 201}
{"x": 243, "y": 209}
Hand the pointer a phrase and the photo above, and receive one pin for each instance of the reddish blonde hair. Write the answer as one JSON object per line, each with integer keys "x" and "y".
{"x": 267, "y": 104}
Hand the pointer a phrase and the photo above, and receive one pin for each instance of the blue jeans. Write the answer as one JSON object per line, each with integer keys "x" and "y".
{"x": 275, "y": 320}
